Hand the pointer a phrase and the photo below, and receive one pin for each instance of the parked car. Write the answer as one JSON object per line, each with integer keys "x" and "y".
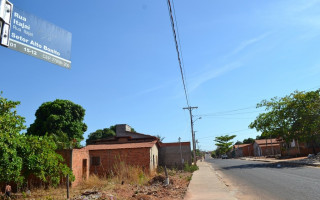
{"x": 224, "y": 156}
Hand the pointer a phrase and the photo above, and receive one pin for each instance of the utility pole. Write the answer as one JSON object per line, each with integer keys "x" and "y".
{"x": 192, "y": 133}
{"x": 181, "y": 153}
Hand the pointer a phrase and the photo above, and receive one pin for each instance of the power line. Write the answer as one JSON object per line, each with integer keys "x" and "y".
{"x": 225, "y": 133}
{"x": 179, "y": 42}
{"x": 228, "y": 111}
{"x": 178, "y": 52}
{"x": 228, "y": 114}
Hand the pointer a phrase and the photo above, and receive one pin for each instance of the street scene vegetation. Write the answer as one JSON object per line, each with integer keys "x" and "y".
{"x": 29, "y": 161}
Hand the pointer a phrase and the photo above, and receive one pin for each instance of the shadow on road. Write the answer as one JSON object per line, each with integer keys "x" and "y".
{"x": 278, "y": 165}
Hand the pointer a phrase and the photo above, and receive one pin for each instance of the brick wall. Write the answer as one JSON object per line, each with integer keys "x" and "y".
{"x": 75, "y": 160}
{"x": 268, "y": 150}
{"x": 80, "y": 165}
{"x": 66, "y": 154}
{"x": 109, "y": 158}
{"x": 243, "y": 150}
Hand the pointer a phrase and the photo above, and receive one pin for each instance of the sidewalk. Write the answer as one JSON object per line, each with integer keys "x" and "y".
{"x": 205, "y": 185}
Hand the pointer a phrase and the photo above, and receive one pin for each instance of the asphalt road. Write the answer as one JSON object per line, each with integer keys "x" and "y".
{"x": 268, "y": 181}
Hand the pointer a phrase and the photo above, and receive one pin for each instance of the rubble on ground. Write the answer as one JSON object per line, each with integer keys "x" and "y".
{"x": 93, "y": 195}
{"x": 155, "y": 189}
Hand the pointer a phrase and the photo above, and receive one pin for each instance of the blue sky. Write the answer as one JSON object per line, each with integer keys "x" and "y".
{"x": 125, "y": 69}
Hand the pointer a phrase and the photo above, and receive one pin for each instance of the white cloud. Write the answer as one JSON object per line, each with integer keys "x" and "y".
{"x": 247, "y": 43}
{"x": 213, "y": 73}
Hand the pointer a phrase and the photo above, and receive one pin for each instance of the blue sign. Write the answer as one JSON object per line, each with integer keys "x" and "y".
{"x": 39, "y": 38}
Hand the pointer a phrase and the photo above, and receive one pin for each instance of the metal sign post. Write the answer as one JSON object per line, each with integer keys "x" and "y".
{"x": 28, "y": 34}
{"x": 5, "y": 18}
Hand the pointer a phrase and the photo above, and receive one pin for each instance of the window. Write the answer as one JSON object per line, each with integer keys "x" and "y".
{"x": 95, "y": 161}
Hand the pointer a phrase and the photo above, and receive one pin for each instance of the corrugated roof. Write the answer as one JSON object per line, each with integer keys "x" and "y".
{"x": 121, "y": 146}
{"x": 263, "y": 141}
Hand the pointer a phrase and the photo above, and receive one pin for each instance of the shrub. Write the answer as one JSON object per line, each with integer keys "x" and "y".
{"x": 190, "y": 168}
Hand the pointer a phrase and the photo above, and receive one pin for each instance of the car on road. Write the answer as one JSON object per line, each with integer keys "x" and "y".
{"x": 224, "y": 156}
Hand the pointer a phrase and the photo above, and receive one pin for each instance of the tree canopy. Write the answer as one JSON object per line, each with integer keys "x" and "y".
{"x": 238, "y": 142}
{"x": 248, "y": 141}
{"x": 22, "y": 155}
{"x": 11, "y": 124}
{"x": 61, "y": 119}
{"x": 295, "y": 116}
{"x": 224, "y": 144}
{"x": 101, "y": 134}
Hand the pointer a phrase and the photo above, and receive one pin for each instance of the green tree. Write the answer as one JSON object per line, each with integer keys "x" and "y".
{"x": 22, "y": 156}
{"x": 41, "y": 160}
{"x": 100, "y": 134}
{"x": 224, "y": 144}
{"x": 216, "y": 153}
{"x": 11, "y": 124}
{"x": 239, "y": 142}
{"x": 295, "y": 116}
{"x": 63, "y": 120}
{"x": 248, "y": 141}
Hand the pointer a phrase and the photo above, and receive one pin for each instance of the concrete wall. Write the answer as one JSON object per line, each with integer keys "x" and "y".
{"x": 256, "y": 150}
{"x": 122, "y": 128}
{"x": 170, "y": 155}
{"x": 154, "y": 158}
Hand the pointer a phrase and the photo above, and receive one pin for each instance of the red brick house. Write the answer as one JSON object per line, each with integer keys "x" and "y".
{"x": 243, "y": 150}
{"x": 105, "y": 157}
{"x": 101, "y": 157}
{"x": 137, "y": 149}
{"x": 266, "y": 147}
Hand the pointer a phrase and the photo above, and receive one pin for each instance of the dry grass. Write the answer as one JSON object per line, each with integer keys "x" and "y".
{"x": 119, "y": 182}
{"x": 129, "y": 174}
{"x": 131, "y": 189}
{"x": 94, "y": 182}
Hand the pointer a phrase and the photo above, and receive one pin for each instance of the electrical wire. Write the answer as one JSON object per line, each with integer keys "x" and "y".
{"x": 225, "y": 133}
{"x": 175, "y": 36}
{"x": 228, "y": 114}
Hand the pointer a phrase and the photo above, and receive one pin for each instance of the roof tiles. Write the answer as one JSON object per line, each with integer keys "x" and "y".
{"x": 121, "y": 146}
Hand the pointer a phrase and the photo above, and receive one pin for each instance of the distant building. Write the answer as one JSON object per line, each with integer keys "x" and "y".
{"x": 243, "y": 150}
{"x": 266, "y": 147}
{"x": 296, "y": 148}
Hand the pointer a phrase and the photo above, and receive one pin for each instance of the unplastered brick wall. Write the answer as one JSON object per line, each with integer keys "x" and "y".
{"x": 80, "y": 165}
{"x": 109, "y": 158}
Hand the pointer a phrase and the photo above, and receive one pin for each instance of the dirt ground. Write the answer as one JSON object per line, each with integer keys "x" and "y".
{"x": 151, "y": 190}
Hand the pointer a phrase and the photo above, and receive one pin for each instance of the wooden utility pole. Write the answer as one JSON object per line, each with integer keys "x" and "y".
{"x": 192, "y": 133}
